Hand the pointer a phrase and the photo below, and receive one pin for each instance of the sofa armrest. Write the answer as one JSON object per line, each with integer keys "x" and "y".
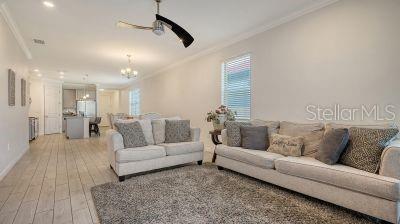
{"x": 390, "y": 160}
{"x": 114, "y": 140}
{"x": 195, "y": 134}
{"x": 224, "y": 137}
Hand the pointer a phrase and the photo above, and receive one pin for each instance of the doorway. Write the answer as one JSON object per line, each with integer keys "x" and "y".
{"x": 52, "y": 108}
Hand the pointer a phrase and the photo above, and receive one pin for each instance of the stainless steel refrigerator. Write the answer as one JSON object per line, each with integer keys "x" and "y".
{"x": 86, "y": 108}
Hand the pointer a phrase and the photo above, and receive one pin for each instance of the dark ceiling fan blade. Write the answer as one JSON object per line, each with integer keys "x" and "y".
{"x": 128, "y": 25}
{"x": 186, "y": 38}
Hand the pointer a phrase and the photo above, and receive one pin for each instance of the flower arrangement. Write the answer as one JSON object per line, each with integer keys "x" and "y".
{"x": 219, "y": 116}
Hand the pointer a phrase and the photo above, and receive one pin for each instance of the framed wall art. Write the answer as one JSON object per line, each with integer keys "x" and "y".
{"x": 11, "y": 87}
{"x": 23, "y": 92}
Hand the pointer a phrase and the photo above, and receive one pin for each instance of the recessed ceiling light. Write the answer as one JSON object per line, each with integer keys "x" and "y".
{"x": 39, "y": 75}
{"x": 61, "y": 76}
{"x": 101, "y": 89}
{"x": 48, "y": 4}
{"x": 36, "y": 70}
{"x": 61, "y": 73}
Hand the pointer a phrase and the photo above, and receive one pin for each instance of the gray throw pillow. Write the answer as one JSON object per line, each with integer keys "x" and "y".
{"x": 233, "y": 132}
{"x": 365, "y": 148}
{"x": 132, "y": 134}
{"x": 332, "y": 145}
{"x": 177, "y": 131}
{"x": 254, "y": 137}
{"x": 158, "y": 126}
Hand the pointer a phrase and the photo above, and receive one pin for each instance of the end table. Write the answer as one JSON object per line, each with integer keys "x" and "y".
{"x": 214, "y": 137}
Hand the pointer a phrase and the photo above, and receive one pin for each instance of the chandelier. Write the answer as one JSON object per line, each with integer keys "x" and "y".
{"x": 128, "y": 72}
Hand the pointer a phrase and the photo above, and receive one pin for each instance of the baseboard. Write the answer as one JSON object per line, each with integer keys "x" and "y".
{"x": 4, "y": 172}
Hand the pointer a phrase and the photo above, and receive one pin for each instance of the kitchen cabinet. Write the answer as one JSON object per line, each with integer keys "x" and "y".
{"x": 77, "y": 127}
{"x": 69, "y": 98}
{"x": 80, "y": 93}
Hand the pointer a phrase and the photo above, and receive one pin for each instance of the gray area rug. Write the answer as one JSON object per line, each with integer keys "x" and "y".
{"x": 203, "y": 194}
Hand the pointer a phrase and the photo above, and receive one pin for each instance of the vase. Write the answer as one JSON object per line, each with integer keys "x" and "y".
{"x": 219, "y": 123}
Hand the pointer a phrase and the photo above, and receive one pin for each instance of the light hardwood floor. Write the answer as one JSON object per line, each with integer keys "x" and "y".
{"x": 52, "y": 181}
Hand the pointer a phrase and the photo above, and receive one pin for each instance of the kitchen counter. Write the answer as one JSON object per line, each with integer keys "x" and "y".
{"x": 77, "y": 127}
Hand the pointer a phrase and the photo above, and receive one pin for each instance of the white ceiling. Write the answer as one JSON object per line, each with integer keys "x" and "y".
{"x": 81, "y": 36}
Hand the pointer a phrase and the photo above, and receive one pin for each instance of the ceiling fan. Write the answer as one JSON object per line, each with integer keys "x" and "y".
{"x": 158, "y": 27}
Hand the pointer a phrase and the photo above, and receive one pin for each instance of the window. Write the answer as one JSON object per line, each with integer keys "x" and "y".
{"x": 236, "y": 86}
{"x": 134, "y": 102}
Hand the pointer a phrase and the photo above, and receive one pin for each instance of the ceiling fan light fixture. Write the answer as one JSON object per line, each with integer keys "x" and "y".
{"x": 158, "y": 28}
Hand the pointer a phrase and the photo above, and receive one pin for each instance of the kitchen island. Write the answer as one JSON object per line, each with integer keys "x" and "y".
{"x": 77, "y": 127}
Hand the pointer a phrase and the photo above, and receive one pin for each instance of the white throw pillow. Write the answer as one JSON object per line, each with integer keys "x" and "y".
{"x": 147, "y": 131}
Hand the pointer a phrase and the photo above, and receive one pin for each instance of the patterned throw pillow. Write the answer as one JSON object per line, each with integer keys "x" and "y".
{"x": 132, "y": 134}
{"x": 177, "y": 131}
{"x": 233, "y": 132}
{"x": 365, "y": 148}
{"x": 158, "y": 126}
{"x": 286, "y": 145}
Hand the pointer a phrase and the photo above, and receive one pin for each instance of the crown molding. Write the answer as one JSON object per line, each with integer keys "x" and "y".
{"x": 14, "y": 29}
{"x": 244, "y": 36}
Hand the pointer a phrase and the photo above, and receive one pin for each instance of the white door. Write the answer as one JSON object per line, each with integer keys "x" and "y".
{"x": 105, "y": 106}
{"x": 52, "y": 108}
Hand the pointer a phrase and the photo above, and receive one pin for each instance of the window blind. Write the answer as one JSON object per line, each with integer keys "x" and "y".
{"x": 134, "y": 102}
{"x": 236, "y": 86}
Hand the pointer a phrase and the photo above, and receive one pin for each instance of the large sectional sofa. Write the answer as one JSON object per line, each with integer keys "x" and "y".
{"x": 377, "y": 195}
{"x": 125, "y": 161}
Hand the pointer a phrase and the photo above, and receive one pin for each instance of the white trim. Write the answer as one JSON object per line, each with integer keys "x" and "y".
{"x": 241, "y": 37}
{"x": 4, "y": 172}
{"x": 14, "y": 29}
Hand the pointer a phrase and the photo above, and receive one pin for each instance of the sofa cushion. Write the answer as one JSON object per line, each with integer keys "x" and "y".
{"x": 273, "y": 126}
{"x": 139, "y": 153}
{"x": 348, "y": 126}
{"x": 258, "y": 158}
{"x": 312, "y": 134}
{"x": 173, "y": 149}
{"x": 147, "y": 131}
{"x": 340, "y": 176}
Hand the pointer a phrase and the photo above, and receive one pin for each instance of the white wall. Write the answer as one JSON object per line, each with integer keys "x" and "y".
{"x": 346, "y": 53}
{"x": 14, "y": 123}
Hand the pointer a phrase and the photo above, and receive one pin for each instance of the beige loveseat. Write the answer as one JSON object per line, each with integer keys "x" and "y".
{"x": 127, "y": 161}
{"x": 377, "y": 195}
